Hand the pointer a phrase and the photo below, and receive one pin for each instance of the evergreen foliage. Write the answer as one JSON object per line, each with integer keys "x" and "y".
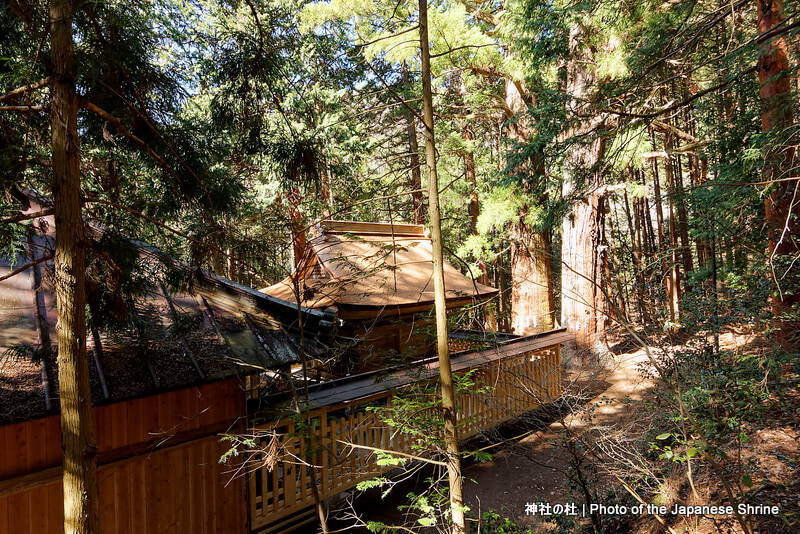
{"x": 218, "y": 131}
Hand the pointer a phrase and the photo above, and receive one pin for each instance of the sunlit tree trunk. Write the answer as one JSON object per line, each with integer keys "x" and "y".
{"x": 77, "y": 428}
{"x": 783, "y": 222}
{"x": 638, "y": 238}
{"x": 442, "y": 345}
{"x": 669, "y": 286}
{"x": 532, "y": 302}
{"x": 582, "y": 300}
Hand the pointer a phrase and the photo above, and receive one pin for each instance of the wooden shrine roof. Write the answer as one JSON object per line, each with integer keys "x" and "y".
{"x": 373, "y": 265}
{"x": 170, "y": 340}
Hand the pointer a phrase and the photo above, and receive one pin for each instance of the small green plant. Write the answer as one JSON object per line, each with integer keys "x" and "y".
{"x": 492, "y": 522}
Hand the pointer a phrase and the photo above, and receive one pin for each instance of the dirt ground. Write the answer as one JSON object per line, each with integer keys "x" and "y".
{"x": 534, "y": 468}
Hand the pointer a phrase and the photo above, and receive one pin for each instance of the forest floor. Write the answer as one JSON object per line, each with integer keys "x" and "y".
{"x": 613, "y": 403}
{"x": 534, "y": 469}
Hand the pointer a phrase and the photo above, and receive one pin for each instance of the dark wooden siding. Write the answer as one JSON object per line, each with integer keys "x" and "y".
{"x": 159, "y": 466}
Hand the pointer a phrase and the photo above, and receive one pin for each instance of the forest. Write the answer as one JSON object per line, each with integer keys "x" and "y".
{"x": 624, "y": 170}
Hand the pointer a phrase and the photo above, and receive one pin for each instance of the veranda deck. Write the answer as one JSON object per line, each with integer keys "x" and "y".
{"x": 339, "y": 446}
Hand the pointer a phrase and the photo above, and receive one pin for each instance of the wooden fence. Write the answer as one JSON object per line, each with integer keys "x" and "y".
{"x": 345, "y": 436}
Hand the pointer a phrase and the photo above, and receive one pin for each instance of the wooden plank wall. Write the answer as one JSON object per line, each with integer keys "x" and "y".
{"x": 280, "y": 485}
{"x": 159, "y": 466}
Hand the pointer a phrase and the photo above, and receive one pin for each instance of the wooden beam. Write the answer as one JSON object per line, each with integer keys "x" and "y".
{"x": 353, "y": 227}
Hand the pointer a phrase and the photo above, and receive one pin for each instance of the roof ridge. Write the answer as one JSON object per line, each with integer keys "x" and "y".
{"x": 332, "y": 226}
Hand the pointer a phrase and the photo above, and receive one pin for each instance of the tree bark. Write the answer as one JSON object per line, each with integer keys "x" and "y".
{"x": 651, "y": 238}
{"x": 77, "y": 427}
{"x": 582, "y": 249}
{"x": 442, "y": 344}
{"x": 674, "y": 283}
{"x": 504, "y": 300}
{"x": 532, "y": 299}
{"x": 417, "y": 201}
{"x": 581, "y": 274}
{"x": 299, "y": 243}
{"x": 325, "y": 186}
{"x": 669, "y": 286}
{"x": 472, "y": 180}
{"x": 635, "y": 229}
{"x": 620, "y": 311}
{"x": 683, "y": 222}
{"x": 783, "y": 241}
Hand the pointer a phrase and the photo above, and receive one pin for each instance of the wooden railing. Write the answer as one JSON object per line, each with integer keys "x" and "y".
{"x": 336, "y": 445}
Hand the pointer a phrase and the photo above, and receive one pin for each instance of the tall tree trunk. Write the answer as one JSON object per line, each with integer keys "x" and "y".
{"x": 638, "y": 237}
{"x": 669, "y": 286}
{"x": 417, "y": 201}
{"x": 472, "y": 180}
{"x": 674, "y": 249}
{"x": 782, "y": 223}
{"x": 504, "y": 299}
{"x": 532, "y": 300}
{"x": 674, "y": 268}
{"x": 299, "y": 242}
{"x": 582, "y": 302}
{"x": 486, "y": 317}
{"x": 326, "y": 186}
{"x": 581, "y": 281}
{"x": 616, "y": 282}
{"x": 683, "y": 221}
{"x": 442, "y": 345}
{"x": 77, "y": 427}
{"x": 700, "y": 243}
{"x": 651, "y": 238}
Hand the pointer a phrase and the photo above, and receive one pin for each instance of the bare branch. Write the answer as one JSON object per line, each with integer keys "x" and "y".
{"x": 24, "y": 108}
{"x": 125, "y": 132}
{"x": 446, "y": 52}
{"x": 27, "y": 216}
{"x": 488, "y": 18}
{"x": 24, "y": 268}
{"x": 683, "y": 103}
{"x": 668, "y": 128}
{"x": 399, "y": 98}
{"x": 393, "y": 453}
{"x": 24, "y": 89}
